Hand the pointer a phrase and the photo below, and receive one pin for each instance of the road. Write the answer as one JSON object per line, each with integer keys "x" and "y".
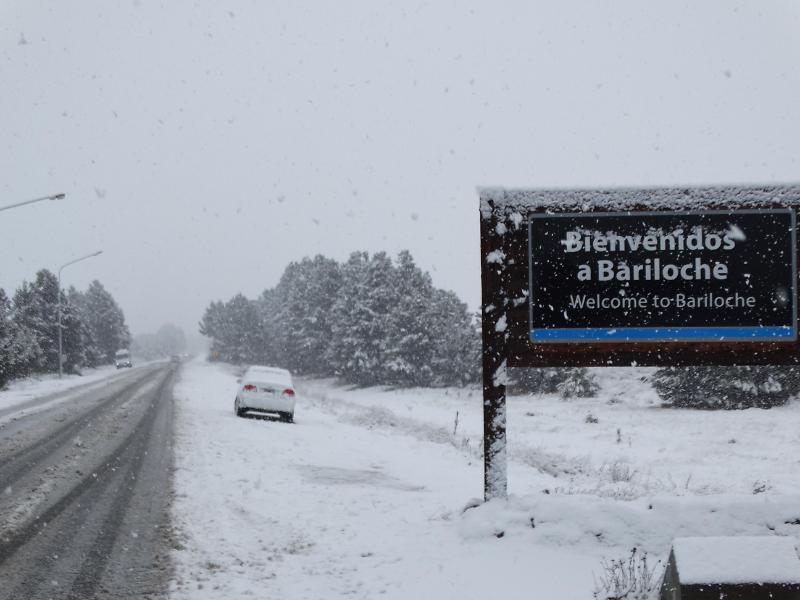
{"x": 85, "y": 488}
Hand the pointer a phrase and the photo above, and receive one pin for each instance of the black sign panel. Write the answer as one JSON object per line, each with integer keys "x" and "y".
{"x": 697, "y": 276}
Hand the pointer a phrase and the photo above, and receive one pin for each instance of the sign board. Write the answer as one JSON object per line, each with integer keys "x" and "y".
{"x": 625, "y": 277}
{"x": 670, "y": 276}
{"x": 659, "y": 277}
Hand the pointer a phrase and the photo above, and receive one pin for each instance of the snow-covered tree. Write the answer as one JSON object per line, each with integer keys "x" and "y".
{"x": 360, "y": 319}
{"x": 105, "y": 322}
{"x": 727, "y": 387}
{"x": 455, "y": 332}
{"x": 369, "y": 321}
{"x": 19, "y": 351}
{"x": 211, "y": 326}
{"x": 233, "y": 327}
{"x": 91, "y": 353}
{"x": 568, "y": 382}
{"x": 268, "y": 340}
{"x": 92, "y": 326}
{"x": 577, "y": 382}
{"x": 410, "y": 322}
{"x": 301, "y": 305}
{"x": 391, "y": 326}
{"x": 35, "y": 310}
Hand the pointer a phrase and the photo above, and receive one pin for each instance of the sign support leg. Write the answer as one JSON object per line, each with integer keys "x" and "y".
{"x": 493, "y": 318}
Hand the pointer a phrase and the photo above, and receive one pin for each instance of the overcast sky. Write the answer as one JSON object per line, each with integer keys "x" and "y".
{"x": 203, "y": 145}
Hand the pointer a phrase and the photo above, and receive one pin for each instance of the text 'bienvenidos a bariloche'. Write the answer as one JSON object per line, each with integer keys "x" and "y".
{"x": 652, "y": 269}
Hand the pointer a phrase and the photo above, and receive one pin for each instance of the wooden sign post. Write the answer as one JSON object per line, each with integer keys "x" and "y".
{"x": 660, "y": 277}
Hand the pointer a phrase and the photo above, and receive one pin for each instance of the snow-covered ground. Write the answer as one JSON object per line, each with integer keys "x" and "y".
{"x": 363, "y": 496}
{"x": 38, "y": 389}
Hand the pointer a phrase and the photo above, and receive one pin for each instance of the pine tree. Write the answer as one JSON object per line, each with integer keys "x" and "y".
{"x": 360, "y": 319}
{"x": 456, "y": 356}
{"x": 234, "y": 329}
{"x": 18, "y": 348}
{"x": 302, "y": 301}
{"x": 409, "y": 326}
{"x": 577, "y": 382}
{"x": 7, "y": 350}
{"x": 727, "y": 388}
{"x": 211, "y": 326}
{"x": 268, "y": 338}
{"x": 35, "y": 309}
{"x": 92, "y": 354}
{"x": 342, "y": 352}
{"x": 105, "y": 322}
{"x": 568, "y": 382}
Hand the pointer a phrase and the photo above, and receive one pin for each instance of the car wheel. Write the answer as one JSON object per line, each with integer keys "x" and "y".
{"x": 287, "y": 417}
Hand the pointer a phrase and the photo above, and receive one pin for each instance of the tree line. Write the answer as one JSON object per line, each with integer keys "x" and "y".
{"x": 369, "y": 320}
{"x": 93, "y": 328}
{"x": 374, "y": 320}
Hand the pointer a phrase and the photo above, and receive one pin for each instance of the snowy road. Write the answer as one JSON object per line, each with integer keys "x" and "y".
{"x": 84, "y": 490}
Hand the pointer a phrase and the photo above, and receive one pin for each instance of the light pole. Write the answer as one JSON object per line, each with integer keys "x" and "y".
{"x": 72, "y": 262}
{"x": 51, "y": 197}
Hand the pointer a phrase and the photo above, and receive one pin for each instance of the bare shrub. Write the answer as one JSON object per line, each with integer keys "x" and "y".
{"x": 618, "y": 472}
{"x": 629, "y": 578}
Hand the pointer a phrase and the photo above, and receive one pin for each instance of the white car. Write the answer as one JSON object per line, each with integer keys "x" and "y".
{"x": 122, "y": 359}
{"x": 266, "y": 391}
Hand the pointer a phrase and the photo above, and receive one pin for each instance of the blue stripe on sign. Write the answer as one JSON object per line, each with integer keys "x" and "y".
{"x": 662, "y": 334}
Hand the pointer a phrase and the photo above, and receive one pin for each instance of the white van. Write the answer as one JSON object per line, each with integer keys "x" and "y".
{"x": 266, "y": 391}
{"x": 123, "y": 359}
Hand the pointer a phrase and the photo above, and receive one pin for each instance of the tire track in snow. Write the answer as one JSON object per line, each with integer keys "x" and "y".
{"x": 78, "y": 541}
{"x": 21, "y": 461}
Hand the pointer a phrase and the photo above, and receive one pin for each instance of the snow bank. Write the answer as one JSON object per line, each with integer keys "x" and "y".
{"x": 592, "y": 523}
{"x": 22, "y": 393}
{"x": 737, "y": 560}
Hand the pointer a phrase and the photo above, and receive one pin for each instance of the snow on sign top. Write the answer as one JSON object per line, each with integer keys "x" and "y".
{"x": 623, "y": 199}
{"x": 732, "y": 560}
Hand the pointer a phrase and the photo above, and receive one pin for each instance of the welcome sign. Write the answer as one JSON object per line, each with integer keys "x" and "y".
{"x": 641, "y": 276}
{"x": 670, "y": 276}
{"x": 682, "y": 276}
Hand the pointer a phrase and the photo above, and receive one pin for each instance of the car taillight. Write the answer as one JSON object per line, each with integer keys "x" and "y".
{"x": 249, "y": 388}
{"x": 288, "y": 392}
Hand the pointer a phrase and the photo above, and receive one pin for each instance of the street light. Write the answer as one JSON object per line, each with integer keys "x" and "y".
{"x": 52, "y": 197}
{"x": 72, "y": 262}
